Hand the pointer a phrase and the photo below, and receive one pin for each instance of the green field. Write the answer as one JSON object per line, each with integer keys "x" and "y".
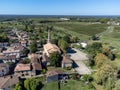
{"x": 70, "y": 85}
{"x": 112, "y": 38}
{"x": 81, "y": 27}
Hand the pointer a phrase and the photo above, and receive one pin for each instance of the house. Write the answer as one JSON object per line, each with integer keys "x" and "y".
{"x": 8, "y": 83}
{"x": 23, "y": 43}
{"x": 4, "y": 69}
{"x": 8, "y": 58}
{"x": 32, "y": 69}
{"x": 22, "y": 69}
{"x": 36, "y": 63}
{"x": 14, "y": 49}
{"x": 50, "y": 48}
{"x": 4, "y": 44}
{"x": 55, "y": 75}
{"x": 45, "y": 60}
{"x": 66, "y": 62}
{"x": 33, "y": 55}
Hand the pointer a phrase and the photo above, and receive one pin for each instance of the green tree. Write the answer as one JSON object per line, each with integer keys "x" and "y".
{"x": 117, "y": 85}
{"x": 67, "y": 38}
{"x": 25, "y": 51}
{"x": 108, "y": 53}
{"x": 32, "y": 84}
{"x": 18, "y": 87}
{"x": 100, "y": 59}
{"x": 55, "y": 59}
{"x": 33, "y": 47}
{"x": 63, "y": 45}
{"x": 110, "y": 83}
{"x": 94, "y": 48}
{"x": 74, "y": 39}
{"x": 3, "y": 37}
{"x": 104, "y": 72}
{"x": 104, "y": 20}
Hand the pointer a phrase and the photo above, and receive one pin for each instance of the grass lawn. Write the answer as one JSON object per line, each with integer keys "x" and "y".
{"x": 70, "y": 85}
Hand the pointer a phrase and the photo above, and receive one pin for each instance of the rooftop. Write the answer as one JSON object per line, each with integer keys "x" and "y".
{"x": 54, "y": 72}
{"x": 51, "y": 48}
{"x": 22, "y": 67}
{"x": 66, "y": 60}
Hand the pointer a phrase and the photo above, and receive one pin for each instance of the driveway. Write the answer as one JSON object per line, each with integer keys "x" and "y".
{"x": 77, "y": 56}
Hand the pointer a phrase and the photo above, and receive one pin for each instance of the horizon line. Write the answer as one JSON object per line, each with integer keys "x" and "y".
{"x": 63, "y": 14}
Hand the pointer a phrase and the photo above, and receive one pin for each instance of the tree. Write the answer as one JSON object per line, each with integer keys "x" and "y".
{"x": 94, "y": 48}
{"x": 104, "y": 72}
{"x": 25, "y": 51}
{"x": 110, "y": 83}
{"x": 95, "y": 37}
{"x": 67, "y": 38}
{"x": 55, "y": 59}
{"x": 3, "y": 37}
{"x": 32, "y": 84}
{"x": 108, "y": 53}
{"x": 117, "y": 85}
{"x": 63, "y": 45}
{"x": 33, "y": 47}
{"x": 18, "y": 87}
{"x": 104, "y": 20}
{"x": 25, "y": 61}
{"x": 74, "y": 39}
{"x": 100, "y": 59}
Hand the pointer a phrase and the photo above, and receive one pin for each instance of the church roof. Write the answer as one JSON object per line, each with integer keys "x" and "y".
{"x": 51, "y": 48}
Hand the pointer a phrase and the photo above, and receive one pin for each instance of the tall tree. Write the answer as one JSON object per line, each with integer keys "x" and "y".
{"x": 104, "y": 72}
{"x": 100, "y": 59}
{"x": 32, "y": 84}
{"x": 33, "y": 47}
{"x": 94, "y": 48}
{"x": 55, "y": 59}
{"x": 63, "y": 45}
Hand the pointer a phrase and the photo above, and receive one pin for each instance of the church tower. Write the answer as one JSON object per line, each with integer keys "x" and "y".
{"x": 48, "y": 41}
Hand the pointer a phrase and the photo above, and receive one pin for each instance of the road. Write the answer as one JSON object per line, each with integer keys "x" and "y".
{"x": 78, "y": 57}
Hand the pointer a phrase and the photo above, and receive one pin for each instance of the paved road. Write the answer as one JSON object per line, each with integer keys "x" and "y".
{"x": 78, "y": 58}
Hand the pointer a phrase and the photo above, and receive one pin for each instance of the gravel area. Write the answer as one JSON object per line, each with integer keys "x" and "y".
{"x": 77, "y": 56}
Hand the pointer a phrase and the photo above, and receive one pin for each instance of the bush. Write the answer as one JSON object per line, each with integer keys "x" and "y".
{"x": 44, "y": 71}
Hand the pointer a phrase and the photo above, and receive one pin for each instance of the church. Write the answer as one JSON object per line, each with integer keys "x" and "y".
{"x": 49, "y": 47}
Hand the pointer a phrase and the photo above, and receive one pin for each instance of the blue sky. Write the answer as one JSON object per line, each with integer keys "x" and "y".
{"x": 60, "y": 7}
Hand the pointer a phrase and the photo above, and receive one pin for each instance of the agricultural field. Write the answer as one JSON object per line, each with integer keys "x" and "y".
{"x": 81, "y": 28}
{"x": 112, "y": 38}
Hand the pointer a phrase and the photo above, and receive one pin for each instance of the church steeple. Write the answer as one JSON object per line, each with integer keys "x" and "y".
{"x": 48, "y": 36}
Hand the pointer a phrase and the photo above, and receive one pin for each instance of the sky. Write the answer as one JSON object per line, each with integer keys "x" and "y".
{"x": 60, "y": 7}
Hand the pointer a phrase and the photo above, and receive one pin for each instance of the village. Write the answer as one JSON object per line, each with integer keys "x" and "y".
{"x": 15, "y": 64}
